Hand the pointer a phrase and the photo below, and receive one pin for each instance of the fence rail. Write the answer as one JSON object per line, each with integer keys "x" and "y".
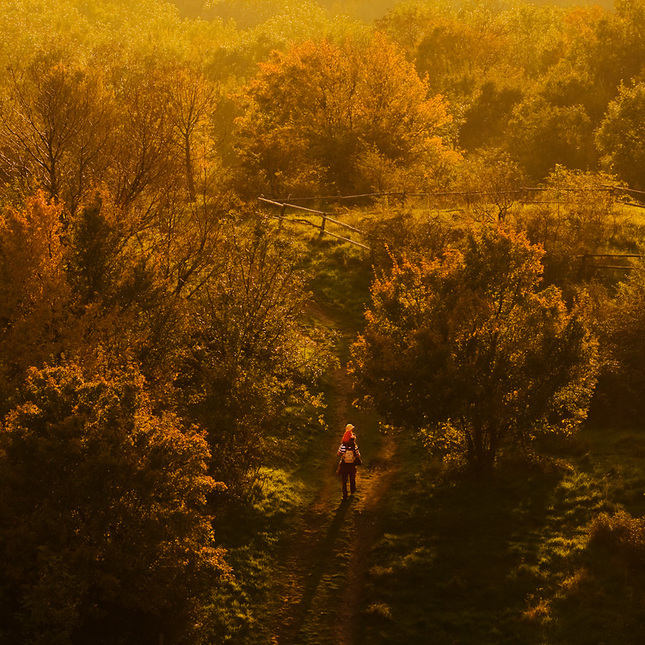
{"x": 322, "y": 227}
{"x": 467, "y": 194}
{"x": 523, "y": 194}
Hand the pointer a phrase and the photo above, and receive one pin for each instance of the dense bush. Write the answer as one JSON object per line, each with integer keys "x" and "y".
{"x": 105, "y": 529}
{"x": 622, "y": 535}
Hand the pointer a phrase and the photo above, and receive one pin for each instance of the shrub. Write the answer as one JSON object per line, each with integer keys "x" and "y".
{"x": 621, "y": 533}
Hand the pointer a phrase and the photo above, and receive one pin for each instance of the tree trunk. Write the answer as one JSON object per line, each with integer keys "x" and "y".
{"x": 190, "y": 179}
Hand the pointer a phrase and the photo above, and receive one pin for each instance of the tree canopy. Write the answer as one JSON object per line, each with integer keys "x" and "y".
{"x": 469, "y": 348}
{"x": 163, "y": 340}
{"x": 342, "y": 117}
{"x": 103, "y": 510}
{"x": 621, "y": 136}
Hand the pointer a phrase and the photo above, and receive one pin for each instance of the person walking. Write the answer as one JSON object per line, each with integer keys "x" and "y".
{"x": 350, "y": 457}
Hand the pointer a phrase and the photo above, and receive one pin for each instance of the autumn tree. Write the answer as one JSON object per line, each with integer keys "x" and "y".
{"x": 613, "y": 50}
{"x": 621, "y": 137}
{"x": 250, "y": 358}
{"x": 493, "y": 183}
{"x": 458, "y": 53}
{"x": 343, "y": 118}
{"x": 191, "y": 99}
{"x": 487, "y": 114}
{"x": 35, "y": 296}
{"x": 87, "y": 288}
{"x": 125, "y": 303}
{"x": 535, "y": 36}
{"x": 105, "y": 535}
{"x": 141, "y": 129}
{"x": 575, "y": 215}
{"x": 143, "y": 170}
{"x": 55, "y": 128}
{"x": 622, "y": 328}
{"x": 407, "y": 22}
{"x": 542, "y": 135}
{"x": 469, "y": 349}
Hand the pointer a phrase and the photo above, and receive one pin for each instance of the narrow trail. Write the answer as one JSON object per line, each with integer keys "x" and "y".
{"x": 326, "y": 562}
{"x": 375, "y": 486}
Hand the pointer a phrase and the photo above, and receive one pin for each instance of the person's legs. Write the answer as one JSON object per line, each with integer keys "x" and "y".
{"x": 352, "y": 482}
{"x": 344, "y": 476}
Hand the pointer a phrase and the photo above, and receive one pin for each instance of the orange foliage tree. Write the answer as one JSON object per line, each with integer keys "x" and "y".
{"x": 104, "y": 532}
{"x": 468, "y": 349}
{"x": 34, "y": 294}
{"x": 342, "y": 117}
{"x": 79, "y": 286}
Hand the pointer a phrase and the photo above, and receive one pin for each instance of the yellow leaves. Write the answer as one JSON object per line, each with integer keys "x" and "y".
{"x": 34, "y": 295}
{"x": 33, "y": 232}
{"x": 357, "y": 111}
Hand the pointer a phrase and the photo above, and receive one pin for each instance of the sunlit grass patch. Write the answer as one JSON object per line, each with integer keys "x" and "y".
{"x": 380, "y": 611}
{"x": 378, "y": 571}
{"x": 418, "y": 558}
{"x": 276, "y": 492}
{"x": 577, "y": 582}
{"x": 540, "y": 612}
{"x": 532, "y": 555}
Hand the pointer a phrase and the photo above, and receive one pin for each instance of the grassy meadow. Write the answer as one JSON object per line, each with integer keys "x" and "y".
{"x": 518, "y": 558}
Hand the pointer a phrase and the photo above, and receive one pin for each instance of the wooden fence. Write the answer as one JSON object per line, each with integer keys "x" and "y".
{"x": 524, "y": 194}
{"x": 521, "y": 195}
{"x": 325, "y": 219}
{"x": 608, "y": 261}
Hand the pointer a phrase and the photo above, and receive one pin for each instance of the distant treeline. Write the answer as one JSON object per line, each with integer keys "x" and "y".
{"x": 253, "y": 12}
{"x": 306, "y": 97}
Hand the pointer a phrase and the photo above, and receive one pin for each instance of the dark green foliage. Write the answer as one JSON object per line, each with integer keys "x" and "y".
{"x": 542, "y": 135}
{"x": 486, "y": 119}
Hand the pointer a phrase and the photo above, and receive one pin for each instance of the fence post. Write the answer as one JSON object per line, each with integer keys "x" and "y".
{"x": 585, "y": 265}
{"x": 322, "y": 225}
{"x": 282, "y": 210}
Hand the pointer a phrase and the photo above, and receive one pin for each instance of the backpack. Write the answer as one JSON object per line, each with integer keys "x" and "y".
{"x": 349, "y": 456}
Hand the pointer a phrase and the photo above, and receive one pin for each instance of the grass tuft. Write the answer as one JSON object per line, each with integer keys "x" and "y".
{"x": 539, "y": 612}
{"x": 379, "y": 611}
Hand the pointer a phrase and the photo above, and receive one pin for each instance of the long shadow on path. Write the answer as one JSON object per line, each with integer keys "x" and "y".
{"x": 323, "y": 555}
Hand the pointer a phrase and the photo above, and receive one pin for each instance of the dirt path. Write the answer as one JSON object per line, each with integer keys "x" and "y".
{"x": 325, "y": 565}
{"x": 366, "y": 531}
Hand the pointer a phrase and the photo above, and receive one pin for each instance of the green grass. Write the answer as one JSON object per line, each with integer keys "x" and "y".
{"x": 254, "y": 531}
{"x": 340, "y": 272}
{"x": 507, "y": 558}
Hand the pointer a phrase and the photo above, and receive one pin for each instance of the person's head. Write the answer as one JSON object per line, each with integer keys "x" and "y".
{"x": 349, "y": 433}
